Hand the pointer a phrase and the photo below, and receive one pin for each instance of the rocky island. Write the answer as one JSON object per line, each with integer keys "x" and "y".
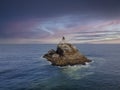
{"x": 66, "y": 54}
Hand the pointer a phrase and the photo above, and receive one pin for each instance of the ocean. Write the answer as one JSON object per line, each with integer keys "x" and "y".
{"x": 23, "y": 68}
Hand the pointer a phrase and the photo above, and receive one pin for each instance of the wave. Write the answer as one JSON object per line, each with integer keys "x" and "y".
{"x": 41, "y": 57}
{"x": 76, "y": 71}
{"x": 81, "y": 71}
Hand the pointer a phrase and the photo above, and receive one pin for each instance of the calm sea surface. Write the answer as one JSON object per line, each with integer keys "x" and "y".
{"x": 23, "y": 68}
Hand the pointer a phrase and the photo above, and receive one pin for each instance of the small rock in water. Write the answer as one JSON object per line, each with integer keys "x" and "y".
{"x": 66, "y": 54}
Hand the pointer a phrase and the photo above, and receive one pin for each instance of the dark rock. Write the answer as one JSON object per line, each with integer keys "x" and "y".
{"x": 66, "y": 54}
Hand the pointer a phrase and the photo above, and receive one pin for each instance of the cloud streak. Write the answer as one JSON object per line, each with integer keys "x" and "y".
{"x": 104, "y": 32}
{"x": 52, "y": 29}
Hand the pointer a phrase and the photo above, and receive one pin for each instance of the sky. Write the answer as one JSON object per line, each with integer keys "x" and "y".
{"x": 47, "y": 21}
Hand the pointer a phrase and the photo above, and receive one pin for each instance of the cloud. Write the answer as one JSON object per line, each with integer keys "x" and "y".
{"x": 42, "y": 28}
{"x": 49, "y": 30}
{"x": 105, "y": 31}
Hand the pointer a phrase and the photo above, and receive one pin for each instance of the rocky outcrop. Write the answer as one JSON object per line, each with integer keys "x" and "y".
{"x": 66, "y": 54}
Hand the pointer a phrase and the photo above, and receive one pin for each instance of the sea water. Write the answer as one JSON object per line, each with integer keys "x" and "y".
{"x": 23, "y": 68}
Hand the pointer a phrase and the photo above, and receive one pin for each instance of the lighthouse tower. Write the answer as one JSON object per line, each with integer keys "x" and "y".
{"x": 63, "y": 40}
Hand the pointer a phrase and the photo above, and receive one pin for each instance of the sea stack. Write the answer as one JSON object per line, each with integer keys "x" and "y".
{"x": 66, "y": 54}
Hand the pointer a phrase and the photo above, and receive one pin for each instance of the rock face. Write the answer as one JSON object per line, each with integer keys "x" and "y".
{"x": 66, "y": 54}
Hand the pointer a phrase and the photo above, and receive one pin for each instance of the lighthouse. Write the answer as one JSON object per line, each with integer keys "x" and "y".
{"x": 63, "y": 40}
